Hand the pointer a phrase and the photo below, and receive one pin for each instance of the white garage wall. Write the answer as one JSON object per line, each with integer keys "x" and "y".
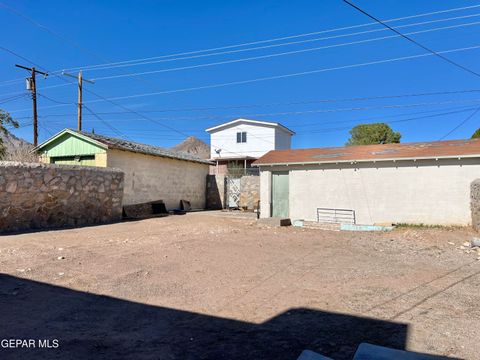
{"x": 149, "y": 178}
{"x": 426, "y": 191}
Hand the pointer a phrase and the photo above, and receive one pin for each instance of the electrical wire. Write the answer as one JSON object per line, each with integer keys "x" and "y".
{"x": 433, "y": 52}
{"x": 111, "y": 127}
{"x": 463, "y": 122}
{"x": 275, "y": 39}
{"x": 110, "y": 77}
{"x": 241, "y": 82}
{"x": 44, "y": 28}
{"x": 289, "y": 103}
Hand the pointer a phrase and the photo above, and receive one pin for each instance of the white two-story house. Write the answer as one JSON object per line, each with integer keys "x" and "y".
{"x": 234, "y": 145}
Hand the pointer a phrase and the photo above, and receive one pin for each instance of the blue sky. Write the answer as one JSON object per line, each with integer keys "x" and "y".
{"x": 67, "y": 35}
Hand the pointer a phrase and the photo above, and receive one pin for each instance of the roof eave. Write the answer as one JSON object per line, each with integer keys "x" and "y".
{"x": 71, "y": 132}
{"x": 267, "y": 123}
{"x": 353, "y": 161}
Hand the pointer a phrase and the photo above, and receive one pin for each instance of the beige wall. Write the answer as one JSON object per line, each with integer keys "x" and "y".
{"x": 149, "y": 178}
{"x": 425, "y": 191}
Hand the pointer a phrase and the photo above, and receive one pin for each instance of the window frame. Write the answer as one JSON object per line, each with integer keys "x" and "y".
{"x": 241, "y": 137}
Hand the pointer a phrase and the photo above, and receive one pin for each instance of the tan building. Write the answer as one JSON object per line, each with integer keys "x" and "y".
{"x": 151, "y": 173}
{"x": 415, "y": 183}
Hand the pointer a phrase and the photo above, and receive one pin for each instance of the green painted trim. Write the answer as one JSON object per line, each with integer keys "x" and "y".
{"x": 69, "y": 143}
{"x": 73, "y": 133}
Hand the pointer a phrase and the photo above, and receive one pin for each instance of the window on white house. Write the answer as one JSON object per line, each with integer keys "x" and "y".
{"x": 241, "y": 137}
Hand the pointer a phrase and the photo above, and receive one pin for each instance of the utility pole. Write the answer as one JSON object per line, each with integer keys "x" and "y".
{"x": 32, "y": 86}
{"x": 80, "y": 91}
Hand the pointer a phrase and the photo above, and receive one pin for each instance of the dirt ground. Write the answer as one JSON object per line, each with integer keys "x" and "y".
{"x": 216, "y": 286}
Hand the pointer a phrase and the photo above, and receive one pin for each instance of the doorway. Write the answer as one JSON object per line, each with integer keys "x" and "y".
{"x": 280, "y": 193}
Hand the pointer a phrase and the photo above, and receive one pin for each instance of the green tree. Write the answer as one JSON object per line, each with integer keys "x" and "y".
{"x": 476, "y": 134}
{"x": 377, "y": 133}
{"x": 5, "y": 120}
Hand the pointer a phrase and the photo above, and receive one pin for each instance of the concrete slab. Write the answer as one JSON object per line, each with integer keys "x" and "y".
{"x": 274, "y": 221}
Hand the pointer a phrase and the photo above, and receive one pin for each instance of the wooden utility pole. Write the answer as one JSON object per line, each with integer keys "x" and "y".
{"x": 32, "y": 86}
{"x": 79, "y": 115}
{"x": 80, "y": 92}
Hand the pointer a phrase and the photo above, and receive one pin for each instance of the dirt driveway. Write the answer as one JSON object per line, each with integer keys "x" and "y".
{"x": 208, "y": 286}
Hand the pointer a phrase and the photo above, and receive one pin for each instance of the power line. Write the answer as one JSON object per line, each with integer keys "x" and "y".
{"x": 276, "y": 39}
{"x": 111, "y": 127}
{"x": 44, "y": 28}
{"x": 56, "y": 101}
{"x": 303, "y": 42}
{"x": 275, "y": 77}
{"x": 433, "y": 52}
{"x": 287, "y": 53}
{"x": 289, "y": 103}
{"x": 461, "y": 123}
{"x": 317, "y": 111}
{"x": 12, "y": 98}
{"x": 276, "y": 54}
{"x": 321, "y": 130}
{"x": 266, "y": 56}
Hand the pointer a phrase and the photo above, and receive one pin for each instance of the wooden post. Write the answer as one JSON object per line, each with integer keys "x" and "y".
{"x": 34, "y": 102}
{"x": 33, "y": 88}
{"x": 79, "y": 118}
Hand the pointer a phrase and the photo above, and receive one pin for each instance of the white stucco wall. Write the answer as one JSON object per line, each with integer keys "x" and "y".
{"x": 149, "y": 178}
{"x": 265, "y": 193}
{"x": 426, "y": 191}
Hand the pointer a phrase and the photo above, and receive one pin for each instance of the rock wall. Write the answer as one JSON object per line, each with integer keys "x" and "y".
{"x": 249, "y": 192}
{"x": 44, "y": 196}
{"x": 475, "y": 203}
{"x": 217, "y": 192}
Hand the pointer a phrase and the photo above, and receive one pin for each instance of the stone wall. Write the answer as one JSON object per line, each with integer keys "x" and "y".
{"x": 250, "y": 192}
{"x": 217, "y": 192}
{"x": 475, "y": 203}
{"x": 44, "y": 196}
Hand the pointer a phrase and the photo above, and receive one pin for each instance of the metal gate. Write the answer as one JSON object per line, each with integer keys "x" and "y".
{"x": 233, "y": 192}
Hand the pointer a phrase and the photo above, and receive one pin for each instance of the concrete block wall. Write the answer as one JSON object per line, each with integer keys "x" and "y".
{"x": 46, "y": 196}
{"x": 151, "y": 178}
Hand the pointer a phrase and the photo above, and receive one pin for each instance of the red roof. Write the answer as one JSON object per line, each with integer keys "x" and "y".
{"x": 417, "y": 150}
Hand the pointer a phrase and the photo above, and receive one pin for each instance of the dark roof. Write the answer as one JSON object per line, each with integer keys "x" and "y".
{"x": 126, "y": 145}
{"x": 417, "y": 150}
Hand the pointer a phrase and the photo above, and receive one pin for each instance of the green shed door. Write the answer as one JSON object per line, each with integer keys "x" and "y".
{"x": 280, "y": 194}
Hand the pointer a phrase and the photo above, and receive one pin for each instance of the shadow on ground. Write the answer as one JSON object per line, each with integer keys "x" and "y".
{"x": 94, "y": 326}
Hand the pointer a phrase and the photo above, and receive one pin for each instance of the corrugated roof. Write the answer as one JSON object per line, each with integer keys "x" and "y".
{"x": 417, "y": 150}
{"x": 126, "y": 145}
{"x": 121, "y": 144}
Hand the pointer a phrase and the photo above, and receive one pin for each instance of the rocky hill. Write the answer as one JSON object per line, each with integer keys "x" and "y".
{"x": 16, "y": 148}
{"x": 193, "y": 146}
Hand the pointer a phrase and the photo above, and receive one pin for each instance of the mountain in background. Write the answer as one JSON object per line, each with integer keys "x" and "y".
{"x": 17, "y": 149}
{"x": 11, "y": 142}
{"x": 193, "y": 146}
